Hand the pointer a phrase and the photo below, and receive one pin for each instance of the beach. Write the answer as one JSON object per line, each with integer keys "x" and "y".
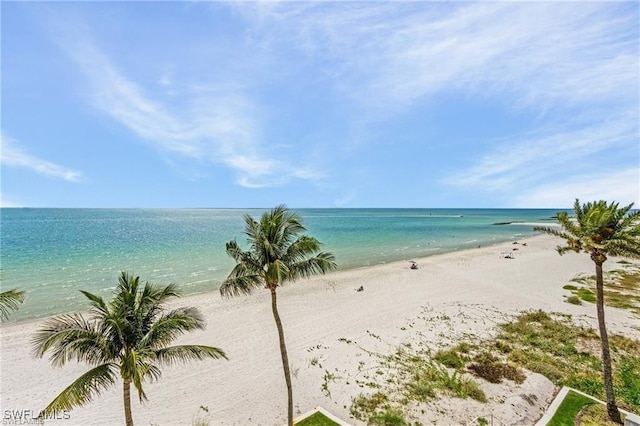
{"x": 450, "y": 296}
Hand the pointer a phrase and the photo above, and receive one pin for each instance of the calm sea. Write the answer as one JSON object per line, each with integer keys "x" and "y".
{"x": 53, "y": 253}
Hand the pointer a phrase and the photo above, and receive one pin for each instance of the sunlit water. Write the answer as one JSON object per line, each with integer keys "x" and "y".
{"x": 53, "y": 253}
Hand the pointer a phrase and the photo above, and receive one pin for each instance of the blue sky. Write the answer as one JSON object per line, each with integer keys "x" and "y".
{"x": 319, "y": 104}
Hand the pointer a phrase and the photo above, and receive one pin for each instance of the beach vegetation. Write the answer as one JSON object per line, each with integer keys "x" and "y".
{"x": 413, "y": 375}
{"x": 10, "y": 300}
{"x": 388, "y": 417}
{"x": 450, "y": 358}
{"x": 574, "y": 300}
{"x": 492, "y": 369}
{"x": 277, "y": 253}
{"x": 551, "y": 345}
{"x": 128, "y": 337}
{"x": 621, "y": 288}
{"x": 600, "y": 229}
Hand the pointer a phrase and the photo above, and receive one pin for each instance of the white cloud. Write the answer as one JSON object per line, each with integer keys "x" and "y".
{"x": 623, "y": 187}
{"x": 14, "y": 156}
{"x": 206, "y": 123}
{"x": 388, "y": 55}
{"x": 521, "y": 161}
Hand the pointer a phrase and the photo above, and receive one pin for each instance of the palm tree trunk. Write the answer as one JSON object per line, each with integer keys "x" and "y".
{"x": 612, "y": 408}
{"x": 126, "y": 389}
{"x": 285, "y": 358}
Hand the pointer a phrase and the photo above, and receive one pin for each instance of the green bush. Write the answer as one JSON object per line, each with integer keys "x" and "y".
{"x": 513, "y": 373}
{"x": 548, "y": 370}
{"x": 389, "y": 417}
{"x": 574, "y": 300}
{"x": 421, "y": 390}
{"x": 586, "y": 295}
{"x": 490, "y": 368}
{"x": 503, "y": 347}
{"x": 487, "y": 366}
{"x": 449, "y": 358}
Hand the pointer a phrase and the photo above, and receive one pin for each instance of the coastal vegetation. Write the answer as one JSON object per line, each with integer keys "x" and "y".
{"x": 621, "y": 288}
{"x": 600, "y": 229}
{"x": 128, "y": 336}
{"x": 9, "y": 302}
{"x": 400, "y": 384}
{"x": 277, "y": 253}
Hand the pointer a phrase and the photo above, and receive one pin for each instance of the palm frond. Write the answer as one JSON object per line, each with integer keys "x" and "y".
{"x": 184, "y": 353}
{"x": 243, "y": 284}
{"x": 97, "y": 302}
{"x": 599, "y": 226}
{"x": 9, "y": 301}
{"x": 171, "y": 325}
{"x": 70, "y": 337}
{"x": 320, "y": 264}
{"x": 84, "y": 389}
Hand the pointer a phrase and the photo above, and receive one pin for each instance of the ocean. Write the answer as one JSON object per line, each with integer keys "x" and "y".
{"x": 53, "y": 253}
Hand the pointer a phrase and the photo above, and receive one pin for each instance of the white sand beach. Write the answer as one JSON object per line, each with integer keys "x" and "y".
{"x": 474, "y": 289}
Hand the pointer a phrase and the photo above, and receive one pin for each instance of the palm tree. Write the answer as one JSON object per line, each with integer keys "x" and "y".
{"x": 9, "y": 301}
{"x": 601, "y": 230}
{"x": 277, "y": 254}
{"x": 129, "y": 336}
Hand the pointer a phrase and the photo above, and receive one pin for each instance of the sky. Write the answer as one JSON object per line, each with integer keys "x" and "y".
{"x": 319, "y": 104}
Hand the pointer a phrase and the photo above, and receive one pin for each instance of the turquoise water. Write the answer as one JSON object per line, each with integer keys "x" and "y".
{"x": 53, "y": 253}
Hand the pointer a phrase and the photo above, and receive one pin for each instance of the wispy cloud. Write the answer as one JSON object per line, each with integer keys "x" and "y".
{"x": 204, "y": 122}
{"x": 388, "y": 55}
{"x": 622, "y": 186}
{"x": 574, "y": 68}
{"x": 15, "y": 156}
{"x": 522, "y": 161}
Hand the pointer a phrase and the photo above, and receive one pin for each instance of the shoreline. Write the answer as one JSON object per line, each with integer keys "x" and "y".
{"x": 475, "y": 288}
{"x": 198, "y": 295}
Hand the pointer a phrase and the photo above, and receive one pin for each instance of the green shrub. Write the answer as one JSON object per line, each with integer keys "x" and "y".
{"x": 513, "y": 373}
{"x": 421, "y": 390}
{"x": 463, "y": 347}
{"x": 449, "y": 358}
{"x": 586, "y": 295}
{"x": 389, "y": 417}
{"x": 503, "y": 347}
{"x": 472, "y": 390}
{"x": 490, "y": 368}
{"x": 548, "y": 370}
{"x": 574, "y": 300}
{"x": 538, "y": 316}
{"x": 487, "y": 366}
